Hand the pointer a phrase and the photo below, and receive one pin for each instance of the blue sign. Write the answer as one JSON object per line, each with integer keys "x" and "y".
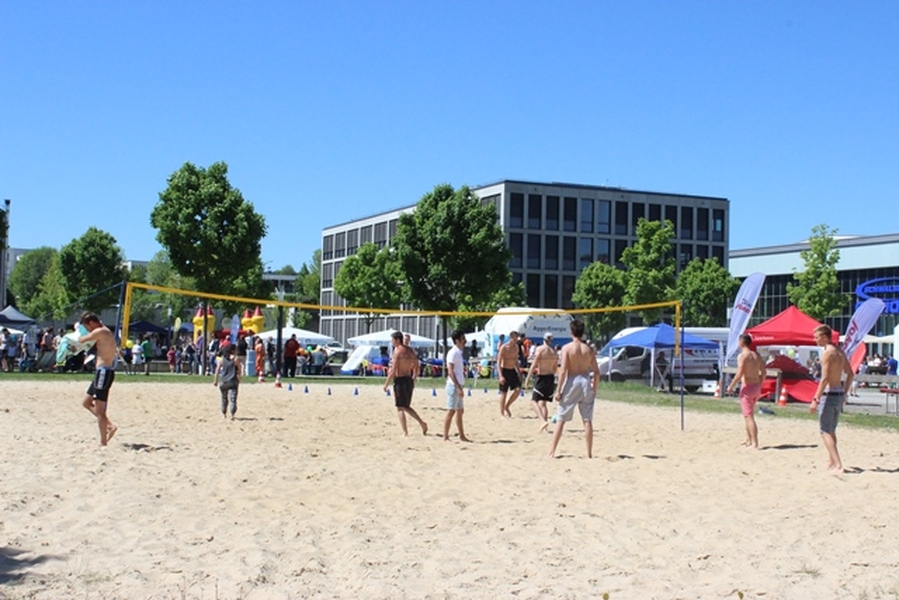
{"x": 885, "y": 288}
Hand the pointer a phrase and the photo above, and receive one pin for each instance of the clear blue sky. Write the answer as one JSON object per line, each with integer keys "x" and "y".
{"x": 330, "y": 111}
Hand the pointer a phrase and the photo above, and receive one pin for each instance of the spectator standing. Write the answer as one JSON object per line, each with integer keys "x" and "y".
{"x": 291, "y": 347}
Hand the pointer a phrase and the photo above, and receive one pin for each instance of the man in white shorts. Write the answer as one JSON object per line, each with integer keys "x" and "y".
{"x": 578, "y": 382}
{"x": 455, "y": 386}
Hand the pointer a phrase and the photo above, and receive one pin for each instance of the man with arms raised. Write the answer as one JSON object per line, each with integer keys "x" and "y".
{"x": 509, "y": 380}
{"x": 831, "y": 394}
{"x": 98, "y": 393}
{"x": 750, "y": 374}
{"x": 403, "y": 369}
{"x": 578, "y": 382}
{"x": 545, "y": 364}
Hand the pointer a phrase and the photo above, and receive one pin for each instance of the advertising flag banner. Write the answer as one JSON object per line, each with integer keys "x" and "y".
{"x": 743, "y": 307}
{"x": 862, "y": 321}
{"x": 235, "y": 326}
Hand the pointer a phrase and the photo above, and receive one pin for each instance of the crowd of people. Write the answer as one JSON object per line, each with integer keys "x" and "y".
{"x": 31, "y": 350}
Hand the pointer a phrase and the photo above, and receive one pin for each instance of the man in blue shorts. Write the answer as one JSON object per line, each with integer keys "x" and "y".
{"x": 831, "y": 394}
{"x": 97, "y": 396}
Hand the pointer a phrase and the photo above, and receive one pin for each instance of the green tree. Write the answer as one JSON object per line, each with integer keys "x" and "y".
{"x": 817, "y": 288}
{"x": 27, "y": 274}
{"x": 51, "y": 300}
{"x": 91, "y": 264}
{"x": 451, "y": 250}
{"x": 308, "y": 290}
{"x": 650, "y": 267}
{"x": 371, "y": 278}
{"x": 707, "y": 290}
{"x": 211, "y": 233}
{"x": 599, "y": 286}
{"x": 144, "y": 303}
{"x": 162, "y": 273}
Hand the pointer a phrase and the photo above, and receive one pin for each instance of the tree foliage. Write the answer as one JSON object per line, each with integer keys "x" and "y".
{"x": 52, "y": 299}
{"x": 162, "y": 273}
{"x": 706, "y": 289}
{"x": 370, "y": 278}
{"x": 308, "y": 289}
{"x": 601, "y": 285}
{"x": 211, "y": 233}
{"x": 26, "y": 276}
{"x": 90, "y": 264}
{"x": 451, "y": 250}
{"x": 650, "y": 267}
{"x": 817, "y": 288}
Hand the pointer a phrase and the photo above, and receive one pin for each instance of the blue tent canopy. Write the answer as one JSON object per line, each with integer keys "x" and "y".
{"x": 662, "y": 336}
{"x": 145, "y": 327}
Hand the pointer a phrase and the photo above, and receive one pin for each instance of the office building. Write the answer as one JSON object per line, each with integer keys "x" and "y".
{"x": 554, "y": 231}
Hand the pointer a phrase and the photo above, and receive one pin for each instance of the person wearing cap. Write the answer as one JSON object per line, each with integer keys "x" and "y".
{"x": 544, "y": 365}
{"x": 509, "y": 379}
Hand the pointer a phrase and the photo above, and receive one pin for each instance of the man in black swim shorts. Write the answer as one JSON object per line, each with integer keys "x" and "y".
{"x": 403, "y": 371}
{"x": 545, "y": 365}
{"x": 509, "y": 379}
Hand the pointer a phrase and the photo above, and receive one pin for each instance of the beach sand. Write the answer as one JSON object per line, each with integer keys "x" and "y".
{"x": 317, "y": 495}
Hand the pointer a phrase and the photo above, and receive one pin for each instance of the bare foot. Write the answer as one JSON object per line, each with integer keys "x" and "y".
{"x": 445, "y": 439}
{"x": 462, "y": 438}
{"x": 744, "y": 443}
{"x": 424, "y": 429}
{"x": 545, "y": 426}
{"x": 110, "y": 431}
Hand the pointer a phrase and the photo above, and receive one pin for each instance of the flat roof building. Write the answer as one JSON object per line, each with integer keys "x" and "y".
{"x": 554, "y": 231}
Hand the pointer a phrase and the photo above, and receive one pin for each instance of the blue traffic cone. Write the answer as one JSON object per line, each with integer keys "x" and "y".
{"x": 388, "y": 391}
{"x": 289, "y": 387}
{"x": 433, "y": 392}
{"x": 469, "y": 391}
{"x": 329, "y": 391}
{"x": 485, "y": 390}
{"x": 306, "y": 390}
{"x": 521, "y": 393}
{"x": 356, "y": 391}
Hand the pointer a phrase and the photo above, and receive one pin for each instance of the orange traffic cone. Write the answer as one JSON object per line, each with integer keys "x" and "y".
{"x": 782, "y": 401}
{"x": 718, "y": 390}
{"x": 261, "y": 378}
{"x": 278, "y": 379}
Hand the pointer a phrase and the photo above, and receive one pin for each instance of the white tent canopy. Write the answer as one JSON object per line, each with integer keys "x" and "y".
{"x": 304, "y": 336}
{"x": 382, "y": 338}
{"x": 480, "y": 338}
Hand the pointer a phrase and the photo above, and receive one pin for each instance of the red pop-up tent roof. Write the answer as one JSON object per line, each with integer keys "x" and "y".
{"x": 792, "y": 327}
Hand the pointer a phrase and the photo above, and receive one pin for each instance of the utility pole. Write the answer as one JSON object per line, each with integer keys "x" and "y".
{"x": 4, "y": 257}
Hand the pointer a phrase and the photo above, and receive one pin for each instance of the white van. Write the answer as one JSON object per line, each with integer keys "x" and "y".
{"x": 620, "y": 363}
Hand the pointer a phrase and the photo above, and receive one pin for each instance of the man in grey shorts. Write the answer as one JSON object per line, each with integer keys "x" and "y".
{"x": 830, "y": 395}
{"x": 578, "y": 382}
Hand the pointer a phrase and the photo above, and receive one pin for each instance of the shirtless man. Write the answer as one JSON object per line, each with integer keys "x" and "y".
{"x": 98, "y": 393}
{"x": 833, "y": 392}
{"x": 578, "y": 382}
{"x": 403, "y": 370}
{"x": 750, "y": 374}
{"x": 545, "y": 364}
{"x": 509, "y": 380}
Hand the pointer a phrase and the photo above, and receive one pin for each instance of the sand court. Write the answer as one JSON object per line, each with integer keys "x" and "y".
{"x": 311, "y": 495}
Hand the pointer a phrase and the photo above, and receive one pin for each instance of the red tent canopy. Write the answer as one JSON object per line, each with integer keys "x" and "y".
{"x": 792, "y": 327}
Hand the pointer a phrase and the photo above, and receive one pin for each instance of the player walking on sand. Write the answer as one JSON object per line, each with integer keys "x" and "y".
{"x": 750, "y": 374}
{"x": 544, "y": 365}
{"x": 97, "y": 396}
{"x": 831, "y": 393}
{"x": 403, "y": 371}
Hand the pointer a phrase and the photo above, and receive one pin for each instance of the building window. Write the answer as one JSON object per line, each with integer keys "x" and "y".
{"x": 328, "y": 275}
{"x": 718, "y": 254}
{"x": 491, "y": 201}
{"x": 686, "y": 222}
{"x": 551, "y": 253}
{"x": 352, "y": 241}
{"x": 671, "y": 215}
{"x": 603, "y": 252}
{"x": 603, "y": 216}
{"x": 718, "y": 225}
{"x": 516, "y": 210}
{"x": 620, "y": 246}
{"x": 702, "y": 223}
{"x": 327, "y": 300}
{"x": 534, "y": 251}
{"x": 569, "y": 253}
{"x": 655, "y": 212}
{"x": 569, "y": 215}
{"x": 516, "y": 277}
{"x": 365, "y": 235}
{"x": 686, "y": 255}
{"x": 552, "y": 213}
{"x": 340, "y": 245}
{"x": 637, "y": 213}
{"x": 586, "y": 215}
{"x": 516, "y": 245}
{"x": 585, "y": 253}
{"x": 535, "y": 211}
{"x": 328, "y": 247}
{"x": 702, "y": 251}
{"x": 621, "y": 218}
{"x": 380, "y": 234}
{"x": 567, "y": 291}
{"x": 550, "y": 291}
{"x": 391, "y": 228}
{"x": 532, "y": 290}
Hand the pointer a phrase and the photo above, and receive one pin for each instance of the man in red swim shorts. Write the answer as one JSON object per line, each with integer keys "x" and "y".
{"x": 750, "y": 374}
